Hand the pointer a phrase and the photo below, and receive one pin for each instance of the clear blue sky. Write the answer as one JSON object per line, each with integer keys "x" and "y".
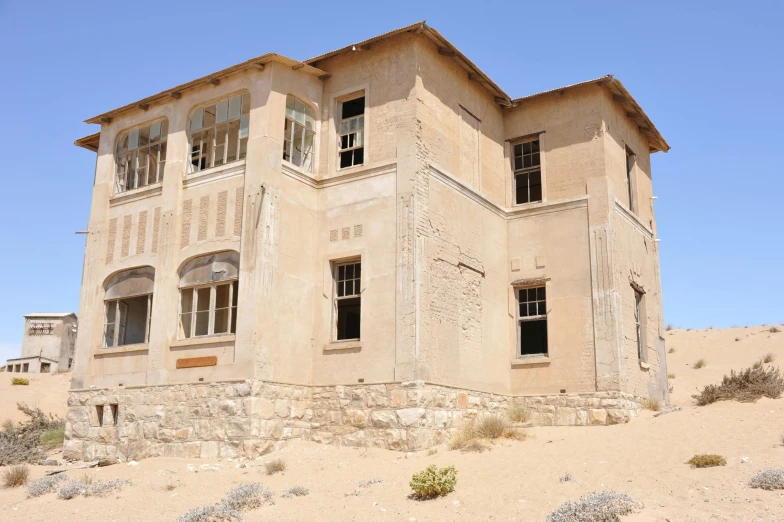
{"x": 709, "y": 74}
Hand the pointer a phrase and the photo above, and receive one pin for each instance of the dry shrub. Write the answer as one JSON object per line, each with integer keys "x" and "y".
{"x": 474, "y": 446}
{"x": 20, "y": 443}
{"x": 737, "y": 339}
{"x": 768, "y": 358}
{"x": 773, "y": 329}
{"x": 491, "y": 427}
{"x": 701, "y": 363}
{"x": 296, "y": 491}
{"x": 745, "y": 386}
{"x": 43, "y": 485}
{"x": 518, "y": 413}
{"x": 462, "y": 436}
{"x": 757, "y": 365}
{"x": 102, "y": 488}
{"x": 368, "y": 483}
{"x": 431, "y": 452}
{"x": 602, "y": 506}
{"x": 671, "y": 350}
{"x": 671, "y": 375}
{"x": 515, "y": 434}
{"x": 669, "y": 327}
{"x": 275, "y": 466}
{"x": 214, "y": 513}
{"x": 566, "y": 477}
{"x": 16, "y": 476}
{"x": 769, "y": 479}
{"x": 651, "y": 403}
{"x": 433, "y": 482}
{"x": 247, "y": 496}
{"x": 71, "y": 490}
{"x": 20, "y": 381}
{"x": 706, "y": 460}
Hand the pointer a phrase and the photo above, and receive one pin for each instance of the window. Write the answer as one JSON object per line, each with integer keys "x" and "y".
{"x": 25, "y": 367}
{"x": 352, "y": 131}
{"x": 128, "y": 307}
{"x": 45, "y": 367}
{"x": 98, "y": 415}
{"x": 209, "y": 292}
{"x": 639, "y": 323}
{"x": 115, "y": 409}
{"x": 141, "y": 156}
{"x": 298, "y": 134}
{"x": 527, "y": 172}
{"x": 218, "y": 133}
{"x": 532, "y": 321}
{"x": 629, "y": 180}
{"x": 348, "y": 301}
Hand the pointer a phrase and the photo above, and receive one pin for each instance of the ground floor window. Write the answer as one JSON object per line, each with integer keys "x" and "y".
{"x": 208, "y": 309}
{"x": 348, "y": 301}
{"x": 532, "y": 321}
{"x": 127, "y": 321}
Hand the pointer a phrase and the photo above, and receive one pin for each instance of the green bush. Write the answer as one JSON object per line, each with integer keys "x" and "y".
{"x": 53, "y": 437}
{"x": 20, "y": 381}
{"x": 433, "y": 482}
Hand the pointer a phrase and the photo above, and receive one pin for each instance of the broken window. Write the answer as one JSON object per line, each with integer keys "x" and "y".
{"x": 141, "y": 156}
{"x": 218, "y": 133}
{"x": 208, "y": 310}
{"x": 532, "y": 321}
{"x": 527, "y": 172}
{"x": 629, "y": 180}
{"x": 639, "y": 323}
{"x": 348, "y": 301}
{"x": 298, "y": 133}
{"x": 352, "y": 130}
{"x": 127, "y": 307}
{"x": 45, "y": 367}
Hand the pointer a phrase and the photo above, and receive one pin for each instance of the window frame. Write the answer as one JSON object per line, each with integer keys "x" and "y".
{"x": 357, "y": 294}
{"x": 527, "y": 170}
{"x": 210, "y": 155}
{"x": 631, "y": 161}
{"x": 355, "y": 95}
{"x": 232, "y": 308}
{"x": 639, "y": 324}
{"x": 519, "y": 319}
{"x": 290, "y": 139}
{"x": 116, "y": 321}
{"x": 160, "y": 164}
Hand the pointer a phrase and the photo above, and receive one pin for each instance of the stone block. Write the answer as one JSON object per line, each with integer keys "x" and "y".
{"x": 396, "y": 440}
{"x": 384, "y": 419}
{"x": 419, "y": 439}
{"x": 230, "y": 450}
{"x": 72, "y": 450}
{"x": 398, "y": 398}
{"x": 356, "y": 439}
{"x": 617, "y": 416}
{"x": 410, "y": 416}
{"x": 298, "y": 409}
{"x": 323, "y": 437}
{"x": 210, "y": 450}
{"x": 597, "y": 416}
{"x": 462, "y": 400}
{"x": 358, "y": 418}
{"x": 258, "y": 407}
{"x": 174, "y": 449}
{"x": 237, "y": 427}
{"x": 282, "y": 408}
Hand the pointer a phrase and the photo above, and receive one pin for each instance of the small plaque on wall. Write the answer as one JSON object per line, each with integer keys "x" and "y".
{"x": 196, "y": 362}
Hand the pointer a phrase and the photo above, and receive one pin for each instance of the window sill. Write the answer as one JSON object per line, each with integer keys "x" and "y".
{"x": 222, "y": 171}
{"x": 128, "y": 348}
{"x": 136, "y": 194}
{"x": 533, "y": 360}
{"x": 200, "y": 341}
{"x": 645, "y": 365}
{"x": 354, "y": 344}
{"x": 516, "y": 206}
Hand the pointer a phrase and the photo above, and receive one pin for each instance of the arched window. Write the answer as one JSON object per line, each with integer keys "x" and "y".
{"x": 298, "y": 133}
{"x": 218, "y": 133}
{"x": 208, "y": 295}
{"x": 127, "y": 303}
{"x": 141, "y": 155}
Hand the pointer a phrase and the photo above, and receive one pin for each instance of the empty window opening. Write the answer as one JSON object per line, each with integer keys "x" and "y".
{"x": 532, "y": 321}
{"x": 99, "y": 415}
{"x": 218, "y": 133}
{"x": 629, "y": 179}
{"x": 45, "y": 367}
{"x": 115, "y": 409}
{"x": 639, "y": 323}
{"x": 352, "y": 131}
{"x": 299, "y": 132}
{"x": 25, "y": 367}
{"x": 348, "y": 301}
{"x": 141, "y": 156}
{"x": 209, "y": 309}
{"x": 127, "y": 321}
{"x": 527, "y": 172}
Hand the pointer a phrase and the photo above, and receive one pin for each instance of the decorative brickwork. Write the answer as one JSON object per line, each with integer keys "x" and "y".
{"x": 112, "y": 239}
{"x": 141, "y": 232}
{"x": 185, "y": 233}
{"x": 126, "y": 235}
{"x": 220, "y": 219}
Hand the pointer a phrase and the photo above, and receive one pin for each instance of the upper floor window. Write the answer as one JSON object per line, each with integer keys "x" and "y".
{"x": 352, "y": 132}
{"x": 209, "y": 293}
{"x": 218, "y": 133}
{"x": 527, "y": 172}
{"x": 298, "y": 133}
{"x": 141, "y": 156}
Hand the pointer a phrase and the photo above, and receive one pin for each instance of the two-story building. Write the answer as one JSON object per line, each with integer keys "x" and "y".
{"x": 363, "y": 248}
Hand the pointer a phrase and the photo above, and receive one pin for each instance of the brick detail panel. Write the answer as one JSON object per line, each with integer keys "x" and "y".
{"x": 156, "y": 228}
{"x": 220, "y": 218}
{"x": 204, "y": 214}
{"x": 185, "y": 233}
{"x": 238, "y": 206}
{"x": 141, "y": 232}
{"x": 112, "y": 239}
{"x": 126, "y": 235}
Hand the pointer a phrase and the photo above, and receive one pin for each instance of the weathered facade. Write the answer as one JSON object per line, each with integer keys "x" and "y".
{"x": 363, "y": 248}
{"x": 47, "y": 344}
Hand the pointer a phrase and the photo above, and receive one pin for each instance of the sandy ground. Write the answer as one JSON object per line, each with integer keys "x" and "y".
{"x": 46, "y": 391}
{"x": 513, "y": 481}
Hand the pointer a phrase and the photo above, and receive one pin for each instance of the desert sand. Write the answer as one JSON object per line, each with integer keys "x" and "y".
{"x": 515, "y": 480}
{"x": 46, "y": 391}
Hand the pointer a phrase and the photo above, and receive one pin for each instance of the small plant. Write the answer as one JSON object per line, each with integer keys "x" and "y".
{"x": 296, "y": 491}
{"x": 368, "y": 483}
{"x": 275, "y": 466}
{"x": 474, "y": 446}
{"x": 671, "y": 375}
{"x": 652, "y": 403}
{"x": 53, "y": 437}
{"x": 247, "y": 496}
{"x": 491, "y": 427}
{"x": 768, "y": 358}
{"x": 71, "y": 490}
{"x": 431, "y": 452}
{"x": 462, "y": 436}
{"x": 518, "y": 413}
{"x": 701, "y": 363}
{"x": 16, "y": 476}
{"x": 671, "y": 350}
{"x": 773, "y": 329}
{"x": 707, "y": 461}
{"x": 19, "y": 443}
{"x": 757, "y": 365}
{"x": 214, "y": 513}
{"x": 745, "y": 386}
{"x": 102, "y": 488}
{"x": 566, "y": 477}
{"x": 737, "y": 339}
{"x": 769, "y": 479}
{"x": 602, "y": 506}
{"x": 433, "y": 482}
{"x": 43, "y": 485}
{"x": 20, "y": 381}
{"x": 87, "y": 479}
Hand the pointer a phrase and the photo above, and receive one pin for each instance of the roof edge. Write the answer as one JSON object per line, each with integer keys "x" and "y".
{"x": 89, "y": 142}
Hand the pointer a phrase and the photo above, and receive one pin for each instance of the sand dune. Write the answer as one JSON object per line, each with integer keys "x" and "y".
{"x": 514, "y": 480}
{"x": 46, "y": 391}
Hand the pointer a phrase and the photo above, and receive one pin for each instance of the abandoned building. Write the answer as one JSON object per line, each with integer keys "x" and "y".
{"x": 47, "y": 344}
{"x": 364, "y": 248}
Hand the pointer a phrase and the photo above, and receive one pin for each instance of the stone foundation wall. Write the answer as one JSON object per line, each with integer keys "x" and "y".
{"x": 251, "y": 418}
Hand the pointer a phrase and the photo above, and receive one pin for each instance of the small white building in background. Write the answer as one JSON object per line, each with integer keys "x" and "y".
{"x": 47, "y": 344}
